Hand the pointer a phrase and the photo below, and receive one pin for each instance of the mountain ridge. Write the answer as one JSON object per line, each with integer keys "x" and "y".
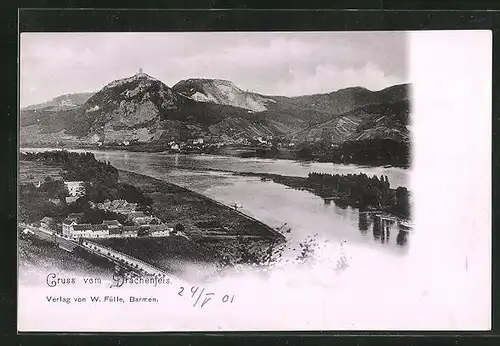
{"x": 141, "y": 108}
{"x": 64, "y": 101}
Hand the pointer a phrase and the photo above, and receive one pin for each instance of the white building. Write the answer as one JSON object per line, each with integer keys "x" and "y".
{"x": 160, "y": 230}
{"x": 67, "y": 228}
{"x": 75, "y": 188}
{"x": 71, "y": 199}
{"x": 160, "y": 233}
{"x": 113, "y": 226}
{"x": 75, "y": 230}
{"x": 139, "y": 218}
{"x": 80, "y": 230}
{"x": 130, "y": 231}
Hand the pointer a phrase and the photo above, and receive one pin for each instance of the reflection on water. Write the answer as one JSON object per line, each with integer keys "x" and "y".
{"x": 363, "y": 223}
{"x": 382, "y": 228}
{"x": 402, "y": 237}
{"x": 377, "y": 228}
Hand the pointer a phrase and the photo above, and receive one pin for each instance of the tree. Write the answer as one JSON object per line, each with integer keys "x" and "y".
{"x": 178, "y": 228}
{"x": 305, "y": 153}
{"x": 307, "y": 249}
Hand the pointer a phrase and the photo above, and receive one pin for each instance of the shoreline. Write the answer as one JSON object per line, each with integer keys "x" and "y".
{"x": 205, "y": 198}
{"x": 226, "y": 152}
{"x": 238, "y": 237}
{"x": 294, "y": 182}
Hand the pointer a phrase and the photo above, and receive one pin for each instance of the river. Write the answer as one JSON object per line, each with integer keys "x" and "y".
{"x": 306, "y": 214}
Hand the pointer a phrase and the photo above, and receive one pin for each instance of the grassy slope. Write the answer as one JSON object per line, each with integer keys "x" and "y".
{"x": 175, "y": 204}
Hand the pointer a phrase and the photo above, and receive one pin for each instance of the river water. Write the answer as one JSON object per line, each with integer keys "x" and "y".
{"x": 306, "y": 214}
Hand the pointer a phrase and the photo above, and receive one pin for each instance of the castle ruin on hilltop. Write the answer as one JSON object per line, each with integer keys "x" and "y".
{"x": 140, "y": 73}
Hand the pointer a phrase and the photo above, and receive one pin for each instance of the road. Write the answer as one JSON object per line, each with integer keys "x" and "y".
{"x": 125, "y": 261}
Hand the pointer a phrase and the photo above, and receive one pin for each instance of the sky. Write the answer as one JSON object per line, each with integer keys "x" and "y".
{"x": 272, "y": 63}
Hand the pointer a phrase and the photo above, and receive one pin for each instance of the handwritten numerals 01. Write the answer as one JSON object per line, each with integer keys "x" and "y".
{"x": 225, "y": 299}
{"x": 197, "y": 295}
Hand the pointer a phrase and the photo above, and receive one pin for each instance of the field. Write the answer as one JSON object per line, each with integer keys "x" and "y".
{"x": 33, "y": 171}
{"x": 174, "y": 204}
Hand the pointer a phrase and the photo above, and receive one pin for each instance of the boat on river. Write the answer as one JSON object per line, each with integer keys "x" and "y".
{"x": 237, "y": 205}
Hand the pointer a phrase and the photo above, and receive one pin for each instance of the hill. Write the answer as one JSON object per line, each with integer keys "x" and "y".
{"x": 376, "y": 121}
{"x": 142, "y": 109}
{"x": 63, "y": 102}
{"x": 222, "y": 92}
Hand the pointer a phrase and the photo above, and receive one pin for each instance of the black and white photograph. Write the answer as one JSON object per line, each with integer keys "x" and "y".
{"x": 252, "y": 181}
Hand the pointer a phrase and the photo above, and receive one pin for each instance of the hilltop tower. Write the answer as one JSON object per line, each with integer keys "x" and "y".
{"x": 140, "y": 73}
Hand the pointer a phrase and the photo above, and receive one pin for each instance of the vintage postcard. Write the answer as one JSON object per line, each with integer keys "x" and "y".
{"x": 251, "y": 181}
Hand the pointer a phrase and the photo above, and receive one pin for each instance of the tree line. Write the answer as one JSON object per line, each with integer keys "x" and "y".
{"x": 363, "y": 192}
{"x": 77, "y": 166}
{"x": 372, "y": 152}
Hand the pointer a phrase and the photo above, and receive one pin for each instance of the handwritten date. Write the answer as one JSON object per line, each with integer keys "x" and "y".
{"x": 197, "y": 295}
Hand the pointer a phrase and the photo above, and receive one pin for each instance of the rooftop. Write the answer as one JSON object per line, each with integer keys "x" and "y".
{"x": 161, "y": 227}
{"x": 111, "y": 222}
{"x": 99, "y": 227}
{"x": 137, "y": 214}
{"x": 82, "y": 227}
{"x": 141, "y": 221}
{"x": 130, "y": 228}
{"x": 75, "y": 215}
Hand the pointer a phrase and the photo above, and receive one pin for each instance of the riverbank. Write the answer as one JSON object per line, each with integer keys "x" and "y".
{"x": 233, "y": 237}
{"x": 359, "y": 191}
{"x": 228, "y": 151}
{"x": 354, "y": 190}
{"x": 175, "y": 204}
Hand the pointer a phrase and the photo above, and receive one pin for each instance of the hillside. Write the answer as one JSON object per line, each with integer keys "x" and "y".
{"x": 63, "y": 102}
{"x": 307, "y": 109}
{"x": 376, "y": 121}
{"x": 221, "y": 92}
{"x": 346, "y": 100}
{"x": 142, "y": 109}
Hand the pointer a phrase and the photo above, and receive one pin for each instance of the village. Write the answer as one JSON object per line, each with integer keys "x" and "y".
{"x": 74, "y": 227}
{"x": 76, "y": 233}
{"x": 209, "y": 144}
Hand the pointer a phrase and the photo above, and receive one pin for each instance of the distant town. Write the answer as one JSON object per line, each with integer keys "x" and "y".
{"x": 210, "y": 144}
